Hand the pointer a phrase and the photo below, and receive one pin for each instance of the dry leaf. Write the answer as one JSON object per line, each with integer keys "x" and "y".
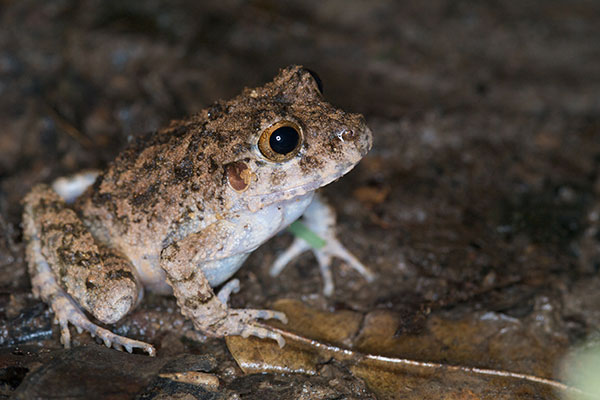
{"x": 448, "y": 360}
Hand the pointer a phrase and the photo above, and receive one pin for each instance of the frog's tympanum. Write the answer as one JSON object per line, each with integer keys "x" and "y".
{"x": 178, "y": 211}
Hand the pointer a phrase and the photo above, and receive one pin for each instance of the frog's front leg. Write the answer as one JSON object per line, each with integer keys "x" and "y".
{"x": 319, "y": 218}
{"x": 70, "y": 270}
{"x": 184, "y": 263}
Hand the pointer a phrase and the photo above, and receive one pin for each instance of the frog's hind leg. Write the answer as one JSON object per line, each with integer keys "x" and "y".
{"x": 67, "y": 311}
{"x": 69, "y": 270}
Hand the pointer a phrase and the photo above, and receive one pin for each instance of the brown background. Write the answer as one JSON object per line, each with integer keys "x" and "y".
{"x": 480, "y": 197}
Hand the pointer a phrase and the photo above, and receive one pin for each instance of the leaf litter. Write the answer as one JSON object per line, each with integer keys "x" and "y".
{"x": 474, "y": 357}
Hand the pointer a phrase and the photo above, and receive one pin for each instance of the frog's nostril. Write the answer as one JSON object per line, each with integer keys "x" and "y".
{"x": 348, "y": 134}
{"x": 345, "y": 135}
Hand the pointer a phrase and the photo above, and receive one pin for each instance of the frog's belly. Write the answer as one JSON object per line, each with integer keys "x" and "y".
{"x": 149, "y": 272}
{"x": 254, "y": 229}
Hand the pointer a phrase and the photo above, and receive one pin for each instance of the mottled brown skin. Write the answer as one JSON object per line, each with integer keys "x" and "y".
{"x": 181, "y": 209}
{"x": 72, "y": 253}
{"x": 171, "y": 180}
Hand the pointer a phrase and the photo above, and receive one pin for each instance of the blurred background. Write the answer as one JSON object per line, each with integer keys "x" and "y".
{"x": 478, "y": 207}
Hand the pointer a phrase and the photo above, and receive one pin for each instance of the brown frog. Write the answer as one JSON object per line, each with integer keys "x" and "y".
{"x": 179, "y": 210}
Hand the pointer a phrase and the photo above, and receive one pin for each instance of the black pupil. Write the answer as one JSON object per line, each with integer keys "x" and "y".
{"x": 284, "y": 139}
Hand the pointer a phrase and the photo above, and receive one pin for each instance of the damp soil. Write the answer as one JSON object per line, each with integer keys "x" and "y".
{"x": 478, "y": 207}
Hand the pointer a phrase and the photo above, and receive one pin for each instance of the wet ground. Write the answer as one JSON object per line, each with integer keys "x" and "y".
{"x": 478, "y": 207}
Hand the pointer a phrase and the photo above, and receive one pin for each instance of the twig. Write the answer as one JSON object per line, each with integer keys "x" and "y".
{"x": 68, "y": 127}
{"x": 347, "y": 354}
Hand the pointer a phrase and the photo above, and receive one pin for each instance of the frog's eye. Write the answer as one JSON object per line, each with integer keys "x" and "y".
{"x": 316, "y": 78}
{"x": 280, "y": 141}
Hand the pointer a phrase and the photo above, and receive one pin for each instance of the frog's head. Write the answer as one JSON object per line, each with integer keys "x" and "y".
{"x": 297, "y": 142}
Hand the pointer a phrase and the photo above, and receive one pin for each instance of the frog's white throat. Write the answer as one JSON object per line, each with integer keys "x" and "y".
{"x": 258, "y": 202}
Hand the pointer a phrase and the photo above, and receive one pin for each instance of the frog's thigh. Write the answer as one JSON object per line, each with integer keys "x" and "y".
{"x": 97, "y": 278}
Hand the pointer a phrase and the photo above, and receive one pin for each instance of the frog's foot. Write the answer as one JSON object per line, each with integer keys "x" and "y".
{"x": 319, "y": 218}
{"x": 324, "y": 255}
{"x": 66, "y": 312}
{"x": 242, "y": 322}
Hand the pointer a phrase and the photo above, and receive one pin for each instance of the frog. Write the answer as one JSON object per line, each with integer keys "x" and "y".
{"x": 179, "y": 210}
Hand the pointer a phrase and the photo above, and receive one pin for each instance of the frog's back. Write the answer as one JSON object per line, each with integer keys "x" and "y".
{"x": 230, "y": 160}
{"x": 154, "y": 188}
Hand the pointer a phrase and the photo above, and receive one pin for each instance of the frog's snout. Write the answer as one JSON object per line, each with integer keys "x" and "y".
{"x": 358, "y": 140}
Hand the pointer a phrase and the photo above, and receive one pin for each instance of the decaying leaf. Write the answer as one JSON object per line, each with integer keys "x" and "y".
{"x": 470, "y": 358}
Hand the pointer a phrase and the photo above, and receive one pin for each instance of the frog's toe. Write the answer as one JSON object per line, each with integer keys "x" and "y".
{"x": 334, "y": 248}
{"x": 297, "y": 247}
{"x": 337, "y": 249}
{"x": 65, "y": 334}
{"x": 233, "y": 286}
{"x": 119, "y": 342}
{"x": 263, "y": 333}
{"x": 66, "y": 312}
{"x": 242, "y": 322}
{"x": 250, "y": 315}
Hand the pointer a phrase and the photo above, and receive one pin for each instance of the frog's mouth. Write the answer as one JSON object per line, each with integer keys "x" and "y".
{"x": 261, "y": 200}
